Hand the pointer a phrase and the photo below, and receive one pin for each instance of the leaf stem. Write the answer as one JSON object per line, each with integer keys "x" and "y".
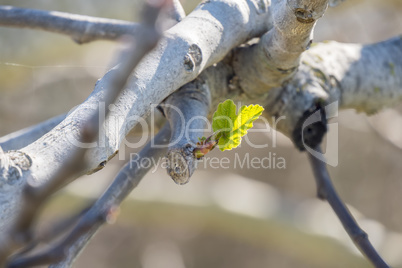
{"x": 206, "y": 145}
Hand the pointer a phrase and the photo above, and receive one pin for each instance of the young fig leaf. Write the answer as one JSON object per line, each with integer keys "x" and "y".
{"x": 231, "y": 127}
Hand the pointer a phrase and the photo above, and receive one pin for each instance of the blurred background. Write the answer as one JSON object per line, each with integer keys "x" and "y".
{"x": 237, "y": 217}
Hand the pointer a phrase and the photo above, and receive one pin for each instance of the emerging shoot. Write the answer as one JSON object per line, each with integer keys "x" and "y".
{"x": 228, "y": 126}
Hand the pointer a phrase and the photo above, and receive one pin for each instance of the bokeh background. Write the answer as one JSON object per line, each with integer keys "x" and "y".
{"x": 240, "y": 217}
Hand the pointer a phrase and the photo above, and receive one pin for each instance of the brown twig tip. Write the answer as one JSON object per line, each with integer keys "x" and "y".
{"x": 204, "y": 146}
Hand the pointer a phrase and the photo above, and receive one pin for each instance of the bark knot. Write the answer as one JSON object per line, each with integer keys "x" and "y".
{"x": 304, "y": 16}
{"x": 180, "y": 164}
{"x": 311, "y": 128}
{"x": 12, "y": 165}
{"x": 193, "y": 58}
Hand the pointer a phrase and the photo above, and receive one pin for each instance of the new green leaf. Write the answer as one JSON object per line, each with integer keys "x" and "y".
{"x": 231, "y": 127}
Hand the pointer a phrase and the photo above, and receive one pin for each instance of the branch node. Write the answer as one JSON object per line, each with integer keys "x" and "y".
{"x": 288, "y": 70}
{"x": 310, "y": 129}
{"x": 82, "y": 29}
{"x": 304, "y": 16}
{"x": 359, "y": 236}
{"x": 111, "y": 214}
{"x": 193, "y": 58}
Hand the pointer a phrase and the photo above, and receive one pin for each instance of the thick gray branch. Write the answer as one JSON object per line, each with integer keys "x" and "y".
{"x": 366, "y": 78}
{"x": 277, "y": 55}
{"x": 291, "y": 35}
{"x": 201, "y": 39}
{"x": 327, "y": 72}
{"x": 82, "y": 29}
{"x": 34, "y": 195}
{"x": 198, "y": 41}
{"x": 24, "y": 137}
{"x": 363, "y": 77}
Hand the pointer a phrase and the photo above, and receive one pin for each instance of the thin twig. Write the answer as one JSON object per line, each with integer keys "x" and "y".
{"x": 326, "y": 191}
{"x": 82, "y": 29}
{"x": 34, "y": 196}
{"x": 65, "y": 251}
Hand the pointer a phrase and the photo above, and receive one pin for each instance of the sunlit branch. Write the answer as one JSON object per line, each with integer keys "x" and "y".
{"x": 34, "y": 196}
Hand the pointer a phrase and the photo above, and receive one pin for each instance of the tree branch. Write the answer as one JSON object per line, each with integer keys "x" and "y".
{"x": 225, "y": 24}
{"x": 331, "y": 72}
{"x": 24, "y": 137}
{"x": 64, "y": 252}
{"x": 166, "y": 69}
{"x": 328, "y": 72}
{"x": 199, "y": 41}
{"x": 186, "y": 110}
{"x": 326, "y": 191}
{"x": 344, "y": 68}
{"x": 82, "y": 29}
{"x": 276, "y": 57}
{"x": 35, "y": 195}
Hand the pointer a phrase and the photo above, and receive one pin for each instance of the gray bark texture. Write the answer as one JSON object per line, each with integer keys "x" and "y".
{"x": 254, "y": 51}
{"x": 212, "y": 30}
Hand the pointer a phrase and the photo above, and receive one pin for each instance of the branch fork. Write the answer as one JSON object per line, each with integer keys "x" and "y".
{"x": 278, "y": 80}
